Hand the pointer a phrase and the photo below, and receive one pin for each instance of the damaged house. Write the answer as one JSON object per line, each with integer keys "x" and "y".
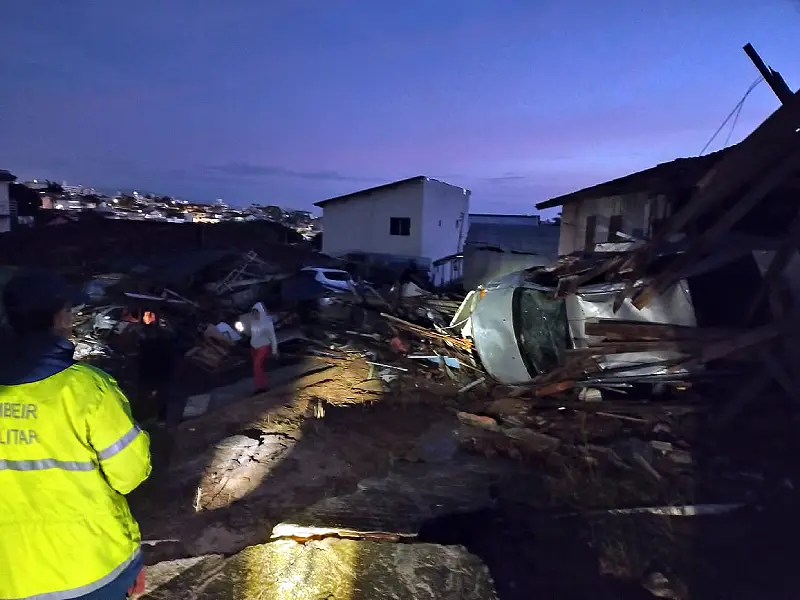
{"x": 635, "y": 209}
{"x": 628, "y": 208}
{"x": 697, "y": 247}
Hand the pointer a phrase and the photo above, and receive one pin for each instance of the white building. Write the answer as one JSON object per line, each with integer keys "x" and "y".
{"x": 418, "y": 218}
{"x": 6, "y": 179}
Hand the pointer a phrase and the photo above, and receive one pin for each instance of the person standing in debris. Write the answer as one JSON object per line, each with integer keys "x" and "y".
{"x": 264, "y": 343}
{"x": 69, "y": 452}
{"x": 408, "y": 275}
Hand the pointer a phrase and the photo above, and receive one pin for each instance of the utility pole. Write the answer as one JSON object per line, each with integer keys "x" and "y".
{"x": 772, "y": 77}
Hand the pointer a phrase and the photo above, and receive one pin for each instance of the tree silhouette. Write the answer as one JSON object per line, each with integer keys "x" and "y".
{"x": 28, "y": 201}
{"x": 54, "y": 188}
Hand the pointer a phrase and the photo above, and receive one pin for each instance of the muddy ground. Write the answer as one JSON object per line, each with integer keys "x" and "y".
{"x": 223, "y": 481}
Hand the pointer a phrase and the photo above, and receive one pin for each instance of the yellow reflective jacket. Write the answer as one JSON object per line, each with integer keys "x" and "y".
{"x": 69, "y": 451}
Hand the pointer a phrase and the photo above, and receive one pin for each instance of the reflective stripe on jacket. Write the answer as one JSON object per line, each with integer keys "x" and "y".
{"x": 69, "y": 451}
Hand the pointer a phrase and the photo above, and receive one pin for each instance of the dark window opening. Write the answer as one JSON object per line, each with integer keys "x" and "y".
{"x": 336, "y": 276}
{"x": 399, "y": 226}
{"x": 657, "y": 226}
{"x": 589, "y": 240}
{"x": 614, "y": 227}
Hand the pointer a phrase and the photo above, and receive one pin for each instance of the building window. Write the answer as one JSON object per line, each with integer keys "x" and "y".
{"x": 589, "y": 239}
{"x": 656, "y": 226}
{"x": 614, "y": 227}
{"x": 399, "y": 226}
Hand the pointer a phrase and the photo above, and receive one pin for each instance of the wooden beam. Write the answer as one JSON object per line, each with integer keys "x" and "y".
{"x": 756, "y": 384}
{"x": 684, "y": 346}
{"x": 570, "y": 284}
{"x": 779, "y": 373}
{"x": 739, "y": 210}
{"x": 772, "y": 77}
{"x": 644, "y": 331}
{"x": 776, "y": 266}
{"x": 748, "y": 339}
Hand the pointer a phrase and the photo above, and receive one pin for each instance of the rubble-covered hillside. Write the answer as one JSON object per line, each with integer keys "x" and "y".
{"x": 621, "y": 424}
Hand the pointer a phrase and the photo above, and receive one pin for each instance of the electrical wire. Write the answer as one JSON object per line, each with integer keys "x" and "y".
{"x": 733, "y": 114}
{"x": 733, "y": 125}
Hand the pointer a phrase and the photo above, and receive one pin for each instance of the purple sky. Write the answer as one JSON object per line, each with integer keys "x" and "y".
{"x": 292, "y": 101}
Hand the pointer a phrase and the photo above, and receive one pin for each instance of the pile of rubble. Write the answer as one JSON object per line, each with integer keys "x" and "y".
{"x": 200, "y": 301}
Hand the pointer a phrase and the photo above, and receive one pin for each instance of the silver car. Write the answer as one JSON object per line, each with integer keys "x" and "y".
{"x": 520, "y": 330}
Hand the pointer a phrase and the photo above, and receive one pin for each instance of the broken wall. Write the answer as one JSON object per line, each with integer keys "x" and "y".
{"x": 639, "y": 212}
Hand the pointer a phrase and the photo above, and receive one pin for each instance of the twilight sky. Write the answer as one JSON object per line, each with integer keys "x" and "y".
{"x": 292, "y": 101}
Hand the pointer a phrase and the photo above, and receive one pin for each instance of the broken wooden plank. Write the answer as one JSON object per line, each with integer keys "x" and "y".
{"x": 776, "y": 266}
{"x": 572, "y": 369}
{"x": 740, "y": 209}
{"x": 685, "y": 346}
{"x": 747, "y": 339}
{"x": 779, "y": 373}
{"x": 463, "y": 344}
{"x": 745, "y": 395}
{"x": 554, "y": 388}
{"x": 570, "y": 284}
{"x": 622, "y": 330}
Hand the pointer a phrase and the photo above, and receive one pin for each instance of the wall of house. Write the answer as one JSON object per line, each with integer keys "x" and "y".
{"x": 640, "y": 213}
{"x": 445, "y": 219}
{"x": 5, "y": 208}
{"x": 482, "y": 265}
{"x": 361, "y": 223}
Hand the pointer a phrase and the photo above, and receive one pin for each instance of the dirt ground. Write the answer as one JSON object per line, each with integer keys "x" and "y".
{"x": 547, "y": 535}
{"x": 360, "y": 435}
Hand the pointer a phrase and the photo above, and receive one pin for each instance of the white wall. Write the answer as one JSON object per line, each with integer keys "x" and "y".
{"x": 639, "y": 211}
{"x": 5, "y": 208}
{"x": 445, "y": 219}
{"x": 361, "y": 223}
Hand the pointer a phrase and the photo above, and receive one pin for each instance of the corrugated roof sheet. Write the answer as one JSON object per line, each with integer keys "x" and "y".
{"x": 681, "y": 172}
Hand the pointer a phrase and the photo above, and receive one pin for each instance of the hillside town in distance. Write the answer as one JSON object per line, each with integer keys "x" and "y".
{"x": 68, "y": 202}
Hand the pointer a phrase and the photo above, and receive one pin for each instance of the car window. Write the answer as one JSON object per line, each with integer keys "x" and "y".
{"x": 541, "y": 329}
{"x": 305, "y": 275}
{"x": 336, "y": 275}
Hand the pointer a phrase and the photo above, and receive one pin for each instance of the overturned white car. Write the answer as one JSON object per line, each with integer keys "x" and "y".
{"x": 520, "y": 329}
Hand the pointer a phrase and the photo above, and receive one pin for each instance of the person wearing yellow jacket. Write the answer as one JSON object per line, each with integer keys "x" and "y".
{"x": 69, "y": 452}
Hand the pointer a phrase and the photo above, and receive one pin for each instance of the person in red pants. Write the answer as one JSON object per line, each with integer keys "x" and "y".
{"x": 263, "y": 343}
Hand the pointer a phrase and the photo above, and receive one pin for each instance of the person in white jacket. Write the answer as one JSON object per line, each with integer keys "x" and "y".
{"x": 263, "y": 343}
